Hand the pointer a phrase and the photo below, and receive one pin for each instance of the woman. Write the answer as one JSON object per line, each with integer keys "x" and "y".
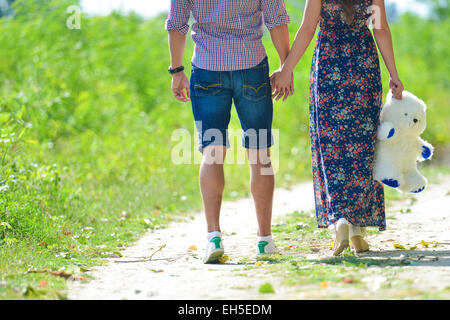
{"x": 345, "y": 104}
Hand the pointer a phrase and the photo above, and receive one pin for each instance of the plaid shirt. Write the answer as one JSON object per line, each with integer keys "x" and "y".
{"x": 227, "y": 33}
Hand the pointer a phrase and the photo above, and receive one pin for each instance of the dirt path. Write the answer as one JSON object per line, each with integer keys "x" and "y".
{"x": 176, "y": 272}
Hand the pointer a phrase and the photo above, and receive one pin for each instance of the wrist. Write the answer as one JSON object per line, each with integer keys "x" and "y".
{"x": 176, "y": 70}
{"x": 393, "y": 75}
{"x": 286, "y": 68}
{"x": 178, "y": 74}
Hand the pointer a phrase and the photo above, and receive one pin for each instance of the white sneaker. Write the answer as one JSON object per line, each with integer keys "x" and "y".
{"x": 266, "y": 247}
{"x": 214, "y": 250}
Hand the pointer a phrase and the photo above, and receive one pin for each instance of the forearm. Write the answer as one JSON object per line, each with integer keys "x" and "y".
{"x": 301, "y": 43}
{"x": 281, "y": 41}
{"x": 383, "y": 38}
{"x": 177, "y": 43}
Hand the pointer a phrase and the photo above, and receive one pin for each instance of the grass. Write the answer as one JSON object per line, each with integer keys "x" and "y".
{"x": 86, "y": 121}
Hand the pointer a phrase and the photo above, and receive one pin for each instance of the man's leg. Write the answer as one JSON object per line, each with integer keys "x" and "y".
{"x": 262, "y": 187}
{"x": 252, "y": 97}
{"x": 212, "y": 183}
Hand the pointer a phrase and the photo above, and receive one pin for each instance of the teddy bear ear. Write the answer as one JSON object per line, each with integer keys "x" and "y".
{"x": 389, "y": 96}
{"x": 412, "y": 97}
{"x": 423, "y": 105}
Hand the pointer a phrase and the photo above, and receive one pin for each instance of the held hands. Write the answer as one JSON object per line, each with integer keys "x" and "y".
{"x": 180, "y": 83}
{"x": 397, "y": 87}
{"x": 282, "y": 83}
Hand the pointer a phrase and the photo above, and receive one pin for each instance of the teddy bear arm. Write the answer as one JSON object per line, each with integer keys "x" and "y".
{"x": 385, "y": 131}
{"x": 425, "y": 150}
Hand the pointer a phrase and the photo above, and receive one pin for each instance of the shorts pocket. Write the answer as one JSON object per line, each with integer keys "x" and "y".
{"x": 256, "y": 82}
{"x": 205, "y": 82}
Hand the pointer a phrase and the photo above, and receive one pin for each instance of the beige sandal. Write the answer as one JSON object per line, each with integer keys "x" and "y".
{"x": 359, "y": 244}
{"x": 341, "y": 241}
{"x": 357, "y": 239}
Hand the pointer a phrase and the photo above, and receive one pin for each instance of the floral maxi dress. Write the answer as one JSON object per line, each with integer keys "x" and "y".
{"x": 345, "y": 106}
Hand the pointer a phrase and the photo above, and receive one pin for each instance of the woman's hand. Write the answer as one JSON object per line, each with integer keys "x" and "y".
{"x": 282, "y": 84}
{"x": 397, "y": 87}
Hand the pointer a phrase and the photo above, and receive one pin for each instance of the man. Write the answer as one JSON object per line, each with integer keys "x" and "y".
{"x": 230, "y": 64}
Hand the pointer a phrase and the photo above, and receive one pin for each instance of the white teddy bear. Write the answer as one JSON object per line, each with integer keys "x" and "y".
{"x": 399, "y": 145}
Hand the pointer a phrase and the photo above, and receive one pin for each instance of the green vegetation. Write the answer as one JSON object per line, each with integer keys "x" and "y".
{"x": 266, "y": 288}
{"x": 86, "y": 118}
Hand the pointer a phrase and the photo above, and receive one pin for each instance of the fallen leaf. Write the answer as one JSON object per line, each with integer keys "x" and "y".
{"x": 224, "y": 259}
{"x": 413, "y": 248}
{"x": 332, "y": 245}
{"x": 424, "y": 243}
{"x": 348, "y": 280}
{"x": 399, "y": 246}
{"x": 61, "y": 274}
{"x": 259, "y": 263}
{"x": 192, "y": 248}
{"x": 43, "y": 283}
{"x": 324, "y": 284}
{"x": 156, "y": 271}
{"x": 156, "y": 212}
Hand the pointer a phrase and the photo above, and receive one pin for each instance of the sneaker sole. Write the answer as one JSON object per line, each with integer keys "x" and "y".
{"x": 267, "y": 253}
{"x": 214, "y": 256}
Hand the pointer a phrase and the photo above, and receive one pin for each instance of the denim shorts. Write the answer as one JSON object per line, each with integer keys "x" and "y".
{"x": 212, "y": 96}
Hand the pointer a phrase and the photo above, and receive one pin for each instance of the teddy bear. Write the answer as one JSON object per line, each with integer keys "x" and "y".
{"x": 399, "y": 146}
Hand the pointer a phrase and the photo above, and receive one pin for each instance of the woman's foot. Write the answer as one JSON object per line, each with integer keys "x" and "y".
{"x": 341, "y": 241}
{"x": 359, "y": 244}
{"x": 357, "y": 239}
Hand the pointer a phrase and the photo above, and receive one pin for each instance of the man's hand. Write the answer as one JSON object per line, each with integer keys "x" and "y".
{"x": 180, "y": 83}
{"x": 282, "y": 84}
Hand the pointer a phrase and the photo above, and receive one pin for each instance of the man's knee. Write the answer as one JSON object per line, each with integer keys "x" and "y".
{"x": 214, "y": 155}
{"x": 259, "y": 158}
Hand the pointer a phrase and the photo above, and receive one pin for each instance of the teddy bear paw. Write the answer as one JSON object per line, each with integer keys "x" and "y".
{"x": 391, "y": 133}
{"x": 418, "y": 190}
{"x": 426, "y": 153}
{"x": 391, "y": 183}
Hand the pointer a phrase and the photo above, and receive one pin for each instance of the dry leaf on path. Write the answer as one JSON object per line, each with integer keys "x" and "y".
{"x": 332, "y": 245}
{"x": 224, "y": 259}
{"x": 61, "y": 274}
{"x": 348, "y": 280}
